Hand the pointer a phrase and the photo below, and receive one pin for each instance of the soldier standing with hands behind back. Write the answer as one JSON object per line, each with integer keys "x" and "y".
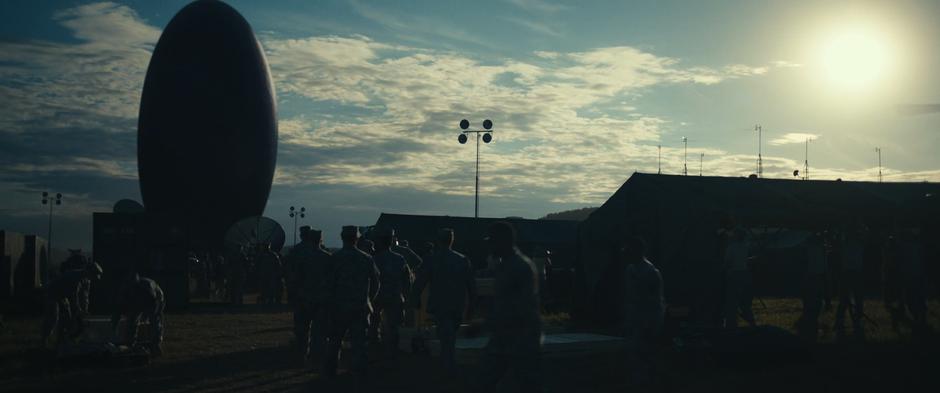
{"x": 396, "y": 279}
{"x": 352, "y": 285}
{"x": 450, "y": 275}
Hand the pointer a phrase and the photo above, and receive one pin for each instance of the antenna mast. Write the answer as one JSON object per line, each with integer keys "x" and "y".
{"x": 659, "y": 160}
{"x": 878, "y": 150}
{"x": 760, "y": 159}
{"x": 806, "y": 161}
{"x": 685, "y": 157}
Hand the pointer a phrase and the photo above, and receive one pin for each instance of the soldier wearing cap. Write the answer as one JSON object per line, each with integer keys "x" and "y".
{"x": 268, "y": 265}
{"x": 396, "y": 278}
{"x": 352, "y": 284}
{"x": 514, "y": 321}
{"x": 140, "y": 298}
{"x": 77, "y": 261}
{"x": 306, "y": 271}
{"x": 450, "y": 276}
{"x": 62, "y": 302}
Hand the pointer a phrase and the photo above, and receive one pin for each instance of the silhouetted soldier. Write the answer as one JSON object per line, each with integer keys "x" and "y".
{"x": 269, "y": 268}
{"x": 352, "y": 283}
{"x": 453, "y": 287}
{"x": 366, "y": 246}
{"x": 892, "y": 291}
{"x": 851, "y": 282}
{"x": 738, "y": 280}
{"x": 219, "y": 275}
{"x": 77, "y": 261}
{"x": 644, "y": 309}
{"x": 913, "y": 281}
{"x": 813, "y": 286}
{"x": 514, "y": 321}
{"x": 402, "y": 248}
{"x": 62, "y": 299}
{"x": 308, "y": 265}
{"x": 237, "y": 274}
{"x": 139, "y": 299}
{"x": 396, "y": 278}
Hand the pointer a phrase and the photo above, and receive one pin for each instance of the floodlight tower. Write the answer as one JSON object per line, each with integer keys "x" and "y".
{"x": 878, "y": 150}
{"x": 487, "y": 134}
{"x": 701, "y": 165}
{"x": 685, "y": 157}
{"x": 47, "y": 199}
{"x": 760, "y": 159}
{"x": 297, "y": 214}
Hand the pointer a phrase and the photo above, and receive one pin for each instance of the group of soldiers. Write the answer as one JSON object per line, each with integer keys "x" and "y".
{"x": 363, "y": 290}
{"x": 67, "y": 301}
{"x": 835, "y": 264}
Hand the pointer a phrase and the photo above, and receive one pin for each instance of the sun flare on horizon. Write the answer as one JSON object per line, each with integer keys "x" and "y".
{"x": 856, "y": 59}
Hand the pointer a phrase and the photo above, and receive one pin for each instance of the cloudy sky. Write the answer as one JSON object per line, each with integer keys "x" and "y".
{"x": 582, "y": 94}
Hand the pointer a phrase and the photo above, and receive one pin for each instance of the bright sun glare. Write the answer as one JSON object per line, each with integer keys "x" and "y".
{"x": 855, "y": 60}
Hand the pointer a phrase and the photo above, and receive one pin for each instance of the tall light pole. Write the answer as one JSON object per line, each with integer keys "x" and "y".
{"x": 47, "y": 199}
{"x": 701, "y": 161}
{"x": 878, "y": 150}
{"x": 487, "y": 134}
{"x": 760, "y": 159}
{"x": 297, "y": 214}
{"x": 685, "y": 157}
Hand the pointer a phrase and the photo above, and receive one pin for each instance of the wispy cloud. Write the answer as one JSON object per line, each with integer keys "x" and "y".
{"x": 793, "y": 137}
{"x": 537, "y": 27}
{"x": 539, "y": 5}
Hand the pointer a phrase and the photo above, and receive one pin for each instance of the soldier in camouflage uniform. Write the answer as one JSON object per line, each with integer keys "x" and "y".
{"x": 396, "y": 278}
{"x": 270, "y": 274}
{"x": 306, "y": 269}
{"x": 237, "y": 271}
{"x": 140, "y": 298}
{"x": 352, "y": 284}
{"x": 77, "y": 261}
{"x": 450, "y": 275}
{"x": 62, "y": 299}
{"x": 514, "y": 321}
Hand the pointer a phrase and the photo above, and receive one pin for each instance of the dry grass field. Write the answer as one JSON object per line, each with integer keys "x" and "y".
{"x": 217, "y": 348}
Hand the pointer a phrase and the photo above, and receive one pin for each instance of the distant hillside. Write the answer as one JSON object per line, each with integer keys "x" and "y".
{"x": 572, "y": 215}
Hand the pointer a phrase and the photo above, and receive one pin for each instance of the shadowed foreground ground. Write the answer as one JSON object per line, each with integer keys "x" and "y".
{"x": 215, "y": 348}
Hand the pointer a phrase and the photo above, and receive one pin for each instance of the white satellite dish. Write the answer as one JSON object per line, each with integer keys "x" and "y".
{"x": 252, "y": 231}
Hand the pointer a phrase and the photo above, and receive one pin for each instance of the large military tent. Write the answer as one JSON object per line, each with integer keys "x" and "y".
{"x": 679, "y": 217}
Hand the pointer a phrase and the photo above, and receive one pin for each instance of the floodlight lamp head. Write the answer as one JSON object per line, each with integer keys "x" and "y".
{"x": 58, "y": 201}
{"x": 464, "y": 124}
{"x": 303, "y": 209}
{"x": 487, "y": 138}
{"x": 487, "y": 124}
{"x": 44, "y": 201}
{"x": 462, "y": 138}
{"x": 292, "y": 215}
{"x": 58, "y": 196}
{"x": 291, "y": 208}
{"x": 45, "y": 194}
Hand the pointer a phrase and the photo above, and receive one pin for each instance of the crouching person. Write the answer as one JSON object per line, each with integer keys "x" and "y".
{"x": 139, "y": 299}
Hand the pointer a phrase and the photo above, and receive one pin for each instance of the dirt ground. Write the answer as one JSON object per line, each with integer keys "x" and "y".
{"x": 218, "y": 348}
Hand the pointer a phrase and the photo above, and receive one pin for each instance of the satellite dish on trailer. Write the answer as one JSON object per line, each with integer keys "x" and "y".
{"x": 796, "y": 173}
{"x": 128, "y": 206}
{"x": 251, "y": 231}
